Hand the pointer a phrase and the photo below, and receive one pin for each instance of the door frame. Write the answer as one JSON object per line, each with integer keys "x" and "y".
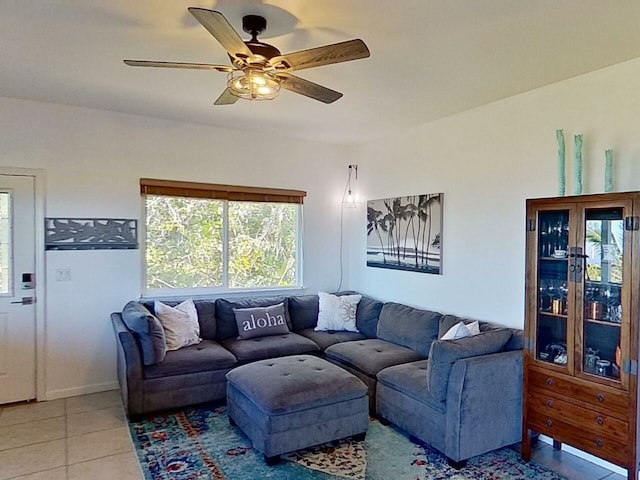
{"x": 40, "y": 308}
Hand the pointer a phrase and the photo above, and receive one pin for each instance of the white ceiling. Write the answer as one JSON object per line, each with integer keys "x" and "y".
{"x": 429, "y": 58}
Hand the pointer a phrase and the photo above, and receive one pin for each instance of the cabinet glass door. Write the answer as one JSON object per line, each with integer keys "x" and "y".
{"x": 602, "y": 294}
{"x": 552, "y": 287}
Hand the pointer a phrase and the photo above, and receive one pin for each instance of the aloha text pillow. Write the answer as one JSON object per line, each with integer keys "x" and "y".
{"x": 261, "y": 321}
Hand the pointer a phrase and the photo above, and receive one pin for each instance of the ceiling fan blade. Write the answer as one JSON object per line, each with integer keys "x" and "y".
{"x": 195, "y": 66}
{"x": 315, "y": 57}
{"x": 226, "y": 98}
{"x": 221, "y": 29}
{"x": 307, "y": 88}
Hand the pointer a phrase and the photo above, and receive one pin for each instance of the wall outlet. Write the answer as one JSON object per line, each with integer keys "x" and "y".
{"x": 63, "y": 274}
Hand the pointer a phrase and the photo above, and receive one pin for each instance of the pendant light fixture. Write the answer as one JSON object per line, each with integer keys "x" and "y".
{"x": 350, "y": 199}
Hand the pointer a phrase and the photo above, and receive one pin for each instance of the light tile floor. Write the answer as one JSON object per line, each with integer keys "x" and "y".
{"x": 87, "y": 438}
{"x": 69, "y": 439}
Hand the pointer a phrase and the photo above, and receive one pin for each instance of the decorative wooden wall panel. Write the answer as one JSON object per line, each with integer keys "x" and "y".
{"x": 90, "y": 233}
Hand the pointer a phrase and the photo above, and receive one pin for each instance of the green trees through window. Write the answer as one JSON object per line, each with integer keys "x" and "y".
{"x": 188, "y": 240}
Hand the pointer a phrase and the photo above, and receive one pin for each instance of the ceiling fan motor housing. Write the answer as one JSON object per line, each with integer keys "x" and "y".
{"x": 254, "y": 24}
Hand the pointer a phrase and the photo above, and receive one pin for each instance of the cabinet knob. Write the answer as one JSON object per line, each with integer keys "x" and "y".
{"x": 549, "y": 403}
{"x": 600, "y": 421}
{"x": 598, "y": 442}
{"x": 600, "y": 397}
{"x": 549, "y": 423}
{"x": 550, "y": 381}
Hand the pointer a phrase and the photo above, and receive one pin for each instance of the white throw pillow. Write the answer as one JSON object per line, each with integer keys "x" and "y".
{"x": 474, "y": 328}
{"x": 459, "y": 330}
{"x": 180, "y": 323}
{"x": 337, "y": 313}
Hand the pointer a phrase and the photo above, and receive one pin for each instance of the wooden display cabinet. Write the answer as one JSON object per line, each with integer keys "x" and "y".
{"x": 581, "y": 325}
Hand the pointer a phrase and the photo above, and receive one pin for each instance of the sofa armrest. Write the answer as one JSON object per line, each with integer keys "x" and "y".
{"x": 484, "y": 404}
{"x": 129, "y": 366}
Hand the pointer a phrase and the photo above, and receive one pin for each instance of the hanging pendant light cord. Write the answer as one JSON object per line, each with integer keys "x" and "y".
{"x": 347, "y": 187}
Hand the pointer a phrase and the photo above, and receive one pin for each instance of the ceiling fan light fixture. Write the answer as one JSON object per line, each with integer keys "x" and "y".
{"x": 253, "y": 84}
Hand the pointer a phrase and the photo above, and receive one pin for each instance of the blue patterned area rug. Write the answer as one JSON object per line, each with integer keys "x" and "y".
{"x": 199, "y": 443}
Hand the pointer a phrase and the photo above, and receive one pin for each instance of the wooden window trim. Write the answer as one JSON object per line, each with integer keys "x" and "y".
{"x": 235, "y": 193}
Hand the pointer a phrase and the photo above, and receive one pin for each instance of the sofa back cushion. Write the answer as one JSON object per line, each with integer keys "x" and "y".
{"x": 444, "y": 353}
{"x": 206, "y": 315}
{"x": 367, "y": 316}
{"x": 408, "y": 326}
{"x": 303, "y": 311}
{"x": 226, "y": 319}
{"x": 148, "y": 331}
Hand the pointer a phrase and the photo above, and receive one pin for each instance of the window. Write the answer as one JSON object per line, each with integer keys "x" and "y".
{"x": 202, "y": 237}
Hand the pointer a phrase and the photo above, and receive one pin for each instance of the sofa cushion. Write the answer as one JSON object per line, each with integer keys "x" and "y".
{"x": 409, "y": 327}
{"x": 226, "y": 318}
{"x": 207, "y": 355}
{"x": 326, "y": 339}
{"x": 268, "y": 347}
{"x": 410, "y": 379}
{"x": 303, "y": 311}
{"x": 337, "y": 313}
{"x": 180, "y": 323}
{"x": 148, "y": 330}
{"x": 260, "y": 321}
{"x": 516, "y": 342}
{"x": 371, "y": 355}
{"x": 206, "y": 315}
{"x": 444, "y": 353}
{"x": 367, "y": 316}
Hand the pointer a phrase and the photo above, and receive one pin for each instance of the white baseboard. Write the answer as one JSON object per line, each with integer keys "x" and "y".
{"x": 84, "y": 390}
{"x": 588, "y": 457}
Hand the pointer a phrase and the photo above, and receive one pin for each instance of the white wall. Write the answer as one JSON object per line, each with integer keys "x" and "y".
{"x": 487, "y": 162}
{"x": 94, "y": 160}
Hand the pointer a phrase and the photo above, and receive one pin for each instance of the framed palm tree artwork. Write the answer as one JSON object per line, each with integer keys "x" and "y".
{"x": 405, "y": 233}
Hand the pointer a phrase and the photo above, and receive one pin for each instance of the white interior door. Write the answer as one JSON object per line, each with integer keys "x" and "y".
{"x": 17, "y": 289}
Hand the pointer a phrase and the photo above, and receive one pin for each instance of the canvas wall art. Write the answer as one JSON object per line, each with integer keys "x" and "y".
{"x": 405, "y": 233}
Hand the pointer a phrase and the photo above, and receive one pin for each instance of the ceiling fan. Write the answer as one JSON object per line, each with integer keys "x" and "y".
{"x": 259, "y": 69}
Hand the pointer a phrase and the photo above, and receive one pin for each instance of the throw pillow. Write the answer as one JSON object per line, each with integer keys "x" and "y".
{"x": 148, "y": 331}
{"x": 180, "y": 323}
{"x": 473, "y": 327}
{"x": 337, "y": 313}
{"x": 261, "y": 321}
{"x": 444, "y": 353}
{"x": 459, "y": 330}
{"x": 226, "y": 326}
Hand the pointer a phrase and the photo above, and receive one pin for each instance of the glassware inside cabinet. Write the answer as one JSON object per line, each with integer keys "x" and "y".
{"x": 552, "y": 302}
{"x": 603, "y": 270}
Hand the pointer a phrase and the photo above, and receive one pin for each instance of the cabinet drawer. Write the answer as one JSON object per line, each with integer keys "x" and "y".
{"x": 600, "y": 398}
{"x": 542, "y": 403}
{"x": 614, "y": 451}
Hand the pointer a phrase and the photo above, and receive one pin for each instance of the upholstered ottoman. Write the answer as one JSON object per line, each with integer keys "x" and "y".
{"x": 289, "y": 403}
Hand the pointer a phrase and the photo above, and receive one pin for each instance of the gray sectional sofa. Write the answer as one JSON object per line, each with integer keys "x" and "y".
{"x": 463, "y": 397}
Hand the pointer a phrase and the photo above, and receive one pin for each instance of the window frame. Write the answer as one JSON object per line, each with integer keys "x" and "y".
{"x": 226, "y": 194}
